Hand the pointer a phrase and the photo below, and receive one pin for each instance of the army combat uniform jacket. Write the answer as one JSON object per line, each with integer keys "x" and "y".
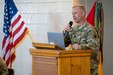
{"x": 86, "y": 36}
{"x": 3, "y": 68}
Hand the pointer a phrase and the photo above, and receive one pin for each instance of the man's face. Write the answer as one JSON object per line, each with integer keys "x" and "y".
{"x": 78, "y": 14}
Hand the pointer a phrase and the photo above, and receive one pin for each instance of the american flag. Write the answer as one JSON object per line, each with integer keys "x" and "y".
{"x": 14, "y": 30}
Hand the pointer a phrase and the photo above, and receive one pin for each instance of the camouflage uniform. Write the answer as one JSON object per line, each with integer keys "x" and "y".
{"x": 3, "y": 68}
{"x": 86, "y": 36}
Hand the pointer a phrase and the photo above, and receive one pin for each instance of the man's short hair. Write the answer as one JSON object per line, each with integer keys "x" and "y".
{"x": 81, "y": 7}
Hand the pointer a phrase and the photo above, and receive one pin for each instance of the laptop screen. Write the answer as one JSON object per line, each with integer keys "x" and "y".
{"x": 56, "y": 38}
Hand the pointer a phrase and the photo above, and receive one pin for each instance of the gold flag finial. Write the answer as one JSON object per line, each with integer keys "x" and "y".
{"x": 76, "y": 3}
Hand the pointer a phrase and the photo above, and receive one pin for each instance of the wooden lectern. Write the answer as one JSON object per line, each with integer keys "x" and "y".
{"x": 52, "y": 60}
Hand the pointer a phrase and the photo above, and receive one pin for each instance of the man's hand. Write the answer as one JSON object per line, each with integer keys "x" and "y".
{"x": 76, "y": 47}
{"x": 67, "y": 28}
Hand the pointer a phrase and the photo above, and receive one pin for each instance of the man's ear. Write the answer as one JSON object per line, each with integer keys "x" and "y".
{"x": 84, "y": 13}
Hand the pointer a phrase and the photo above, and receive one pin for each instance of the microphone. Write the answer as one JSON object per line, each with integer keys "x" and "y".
{"x": 67, "y": 39}
{"x": 67, "y": 32}
{"x": 70, "y": 23}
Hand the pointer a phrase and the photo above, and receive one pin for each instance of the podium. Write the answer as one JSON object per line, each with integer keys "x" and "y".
{"x": 50, "y": 59}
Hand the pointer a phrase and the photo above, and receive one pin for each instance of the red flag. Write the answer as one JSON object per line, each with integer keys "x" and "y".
{"x": 91, "y": 16}
{"x": 14, "y": 31}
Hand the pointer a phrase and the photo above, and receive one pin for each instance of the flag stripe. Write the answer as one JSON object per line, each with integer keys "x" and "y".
{"x": 19, "y": 33}
{"x": 15, "y": 16}
{"x": 18, "y": 29}
{"x": 7, "y": 56}
{"x": 16, "y": 21}
{"x": 4, "y": 48}
{"x": 4, "y": 41}
{"x": 21, "y": 37}
{"x": 7, "y": 49}
{"x": 7, "y": 60}
{"x": 16, "y": 25}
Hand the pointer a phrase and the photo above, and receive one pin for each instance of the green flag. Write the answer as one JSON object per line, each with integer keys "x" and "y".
{"x": 99, "y": 25}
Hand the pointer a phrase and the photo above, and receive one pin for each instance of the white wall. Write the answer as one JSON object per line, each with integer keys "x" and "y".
{"x": 42, "y": 16}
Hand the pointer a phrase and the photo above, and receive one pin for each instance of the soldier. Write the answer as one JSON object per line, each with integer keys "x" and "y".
{"x": 83, "y": 36}
{"x": 3, "y": 68}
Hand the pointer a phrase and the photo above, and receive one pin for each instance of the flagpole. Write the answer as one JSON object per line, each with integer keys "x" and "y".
{"x": 31, "y": 37}
{"x": 10, "y": 61}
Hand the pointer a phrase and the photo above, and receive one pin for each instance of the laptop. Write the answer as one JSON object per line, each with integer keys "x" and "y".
{"x": 56, "y": 38}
